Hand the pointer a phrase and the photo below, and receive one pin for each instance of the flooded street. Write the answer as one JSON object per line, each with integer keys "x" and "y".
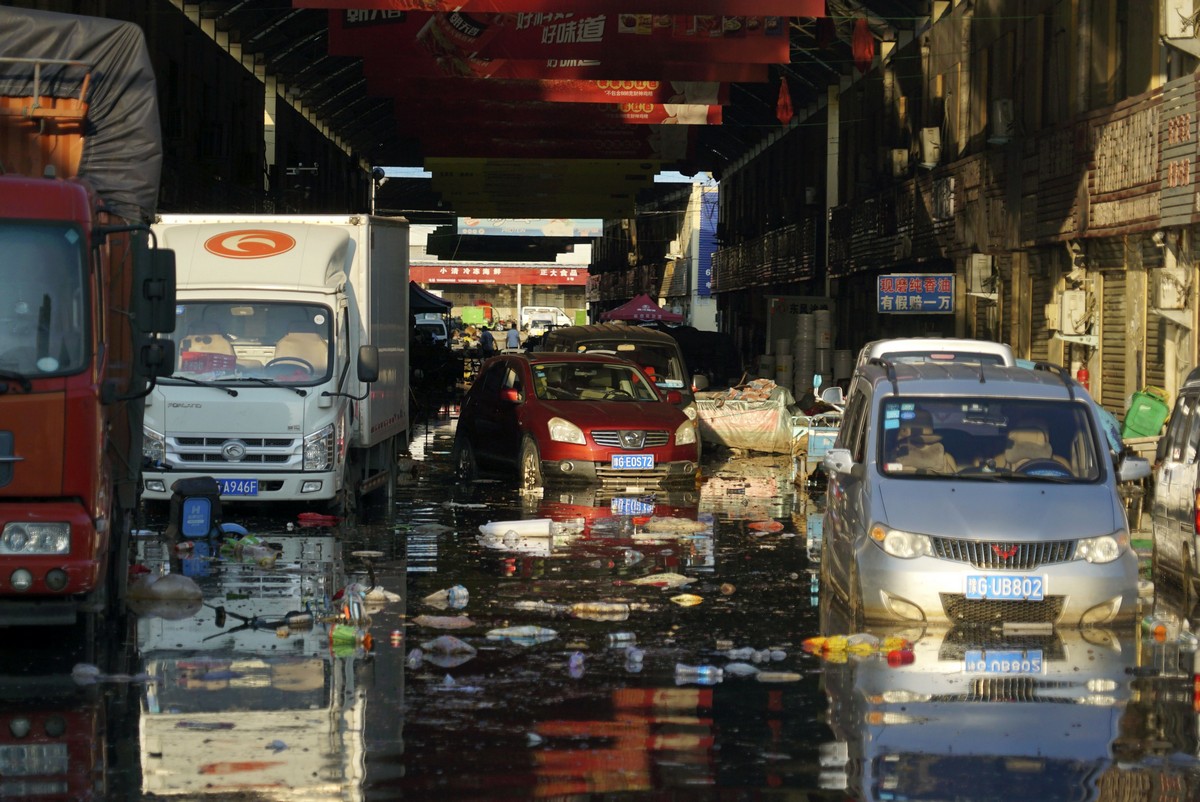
{"x": 475, "y": 644}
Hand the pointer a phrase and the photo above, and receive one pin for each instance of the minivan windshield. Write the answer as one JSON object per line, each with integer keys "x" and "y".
{"x": 987, "y": 438}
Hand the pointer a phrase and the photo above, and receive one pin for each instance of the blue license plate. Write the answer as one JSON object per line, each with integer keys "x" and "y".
{"x": 995, "y": 587}
{"x": 631, "y": 506}
{"x": 632, "y": 462}
{"x": 238, "y": 487}
{"x": 1004, "y": 661}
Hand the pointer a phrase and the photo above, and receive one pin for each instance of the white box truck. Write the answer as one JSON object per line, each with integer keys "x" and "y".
{"x": 291, "y": 381}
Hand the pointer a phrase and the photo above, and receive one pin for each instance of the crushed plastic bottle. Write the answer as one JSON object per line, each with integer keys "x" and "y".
{"x": 575, "y": 665}
{"x": 621, "y": 638}
{"x": 1188, "y": 642}
{"x": 634, "y": 655}
{"x": 701, "y": 675}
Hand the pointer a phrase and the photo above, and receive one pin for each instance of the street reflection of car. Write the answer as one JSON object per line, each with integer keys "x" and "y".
{"x": 574, "y": 418}
{"x": 976, "y": 495}
{"x": 980, "y": 715}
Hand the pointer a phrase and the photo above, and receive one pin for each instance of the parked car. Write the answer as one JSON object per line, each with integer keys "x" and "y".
{"x": 976, "y": 495}
{"x": 1174, "y": 505}
{"x": 554, "y": 418}
{"x": 942, "y": 350}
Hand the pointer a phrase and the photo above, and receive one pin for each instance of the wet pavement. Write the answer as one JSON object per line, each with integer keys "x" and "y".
{"x": 608, "y": 646}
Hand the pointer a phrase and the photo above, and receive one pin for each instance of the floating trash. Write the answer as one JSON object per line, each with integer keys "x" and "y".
{"x": 665, "y": 580}
{"x": 740, "y": 669}
{"x": 448, "y": 644}
{"x": 680, "y": 526}
{"x": 525, "y": 635}
{"x": 444, "y": 621}
{"x": 455, "y": 597}
{"x": 600, "y": 611}
{"x": 687, "y": 599}
{"x": 766, "y": 526}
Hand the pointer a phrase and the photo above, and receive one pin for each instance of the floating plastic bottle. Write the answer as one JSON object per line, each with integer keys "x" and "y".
{"x": 1188, "y": 641}
{"x": 701, "y": 675}
{"x": 621, "y": 638}
{"x": 575, "y": 664}
{"x": 634, "y": 655}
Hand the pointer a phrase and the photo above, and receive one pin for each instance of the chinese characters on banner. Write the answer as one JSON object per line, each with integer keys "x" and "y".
{"x": 792, "y": 8}
{"x": 925, "y": 293}
{"x": 498, "y": 274}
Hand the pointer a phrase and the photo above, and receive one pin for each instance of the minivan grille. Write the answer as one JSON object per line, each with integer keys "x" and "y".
{"x": 611, "y": 438}
{"x": 994, "y": 554}
{"x": 986, "y": 612}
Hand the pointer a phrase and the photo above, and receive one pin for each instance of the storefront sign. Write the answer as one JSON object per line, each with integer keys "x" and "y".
{"x": 916, "y": 293}
{"x": 1177, "y": 132}
{"x": 532, "y": 228}
{"x": 499, "y": 274}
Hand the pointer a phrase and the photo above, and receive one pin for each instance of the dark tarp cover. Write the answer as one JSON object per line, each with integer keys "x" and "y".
{"x": 420, "y": 300}
{"x": 122, "y": 152}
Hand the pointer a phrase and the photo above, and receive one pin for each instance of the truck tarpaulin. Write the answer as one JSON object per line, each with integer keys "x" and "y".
{"x": 122, "y": 152}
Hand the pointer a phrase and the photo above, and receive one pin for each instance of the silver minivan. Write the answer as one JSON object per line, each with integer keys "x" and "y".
{"x": 976, "y": 495}
{"x": 1175, "y": 506}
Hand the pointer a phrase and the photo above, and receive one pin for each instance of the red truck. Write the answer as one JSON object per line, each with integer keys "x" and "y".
{"x": 83, "y": 293}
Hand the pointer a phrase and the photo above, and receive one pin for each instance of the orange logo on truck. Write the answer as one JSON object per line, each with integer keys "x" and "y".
{"x": 250, "y": 243}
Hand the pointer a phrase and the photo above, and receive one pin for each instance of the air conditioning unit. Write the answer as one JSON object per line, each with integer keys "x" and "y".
{"x": 1172, "y": 288}
{"x": 1003, "y": 123}
{"x": 899, "y": 162}
{"x": 1052, "y": 312}
{"x": 674, "y": 251}
{"x": 980, "y": 275}
{"x": 931, "y": 147}
{"x": 1072, "y": 316}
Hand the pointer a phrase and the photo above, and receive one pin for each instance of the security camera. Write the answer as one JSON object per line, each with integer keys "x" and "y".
{"x": 378, "y": 174}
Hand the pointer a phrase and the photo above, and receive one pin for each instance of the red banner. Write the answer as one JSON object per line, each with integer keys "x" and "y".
{"x": 416, "y": 64}
{"x": 372, "y": 8}
{"x": 518, "y": 114}
{"x": 453, "y": 90}
{"x": 498, "y": 274}
{"x": 667, "y": 143}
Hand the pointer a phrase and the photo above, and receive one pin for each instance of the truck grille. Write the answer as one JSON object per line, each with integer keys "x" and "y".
{"x": 994, "y": 554}
{"x": 611, "y": 438}
{"x": 193, "y": 451}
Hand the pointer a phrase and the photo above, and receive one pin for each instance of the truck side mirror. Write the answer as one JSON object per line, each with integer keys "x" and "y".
{"x": 368, "y": 363}
{"x": 154, "y": 304}
{"x": 156, "y": 357}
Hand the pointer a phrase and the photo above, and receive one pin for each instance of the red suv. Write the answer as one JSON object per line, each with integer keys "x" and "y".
{"x": 558, "y": 417}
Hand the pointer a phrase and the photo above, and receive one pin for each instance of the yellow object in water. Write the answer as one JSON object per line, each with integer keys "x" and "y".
{"x": 687, "y": 599}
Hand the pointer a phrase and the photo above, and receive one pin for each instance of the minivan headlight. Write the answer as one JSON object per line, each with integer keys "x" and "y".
{"x": 904, "y": 545}
{"x": 685, "y": 435}
{"x": 1103, "y": 549}
{"x": 563, "y": 431}
{"x": 318, "y": 450}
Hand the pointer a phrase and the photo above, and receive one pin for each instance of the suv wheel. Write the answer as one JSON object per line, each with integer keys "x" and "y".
{"x": 529, "y": 465}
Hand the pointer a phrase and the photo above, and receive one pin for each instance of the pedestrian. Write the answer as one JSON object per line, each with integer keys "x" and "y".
{"x": 487, "y": 343}
{"x": 512, "y": 340}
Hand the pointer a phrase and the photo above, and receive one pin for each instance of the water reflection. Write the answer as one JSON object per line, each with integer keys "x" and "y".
{"x": 255, "y": 691}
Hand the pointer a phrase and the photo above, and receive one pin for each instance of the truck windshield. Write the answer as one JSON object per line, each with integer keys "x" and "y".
{"x": 43, "y": 312}
{"x": 988, "y": 438}
{"x": 285, "y": 343}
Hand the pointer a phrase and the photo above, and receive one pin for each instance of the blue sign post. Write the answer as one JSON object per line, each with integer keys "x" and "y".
{"x": 916, "y": 293}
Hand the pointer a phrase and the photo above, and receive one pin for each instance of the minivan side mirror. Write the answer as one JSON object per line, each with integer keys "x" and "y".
{"x": 838, "y": 460}
{"x": 1133, "y": 469}
{"x": 833, "y": 395}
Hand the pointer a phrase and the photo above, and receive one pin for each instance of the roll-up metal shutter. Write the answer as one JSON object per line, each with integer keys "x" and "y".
{"x": 1114, "y": 331}
{"x": 1008, "y": 308}
{"x": 1156, "y": 327}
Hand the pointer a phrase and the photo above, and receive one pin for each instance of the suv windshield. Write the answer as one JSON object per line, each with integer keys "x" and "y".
{"x": 43, "y": 318}
{"x": 661, "y": 362}
{"x": 590, "y": 381}
{"x": 987, "y": 438}
{"x": 283, "y": 343}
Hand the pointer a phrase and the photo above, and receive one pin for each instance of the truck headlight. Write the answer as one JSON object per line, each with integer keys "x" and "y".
{"x": 154, "y": 446}
{"x": 36, "y": 538}
{"x": 563, "y": 431}
{"x": 318, "y": 450}
{"x": 686, "y": 434}
{"x": 904, "y": 545}
{"x": 1103, "y": 549}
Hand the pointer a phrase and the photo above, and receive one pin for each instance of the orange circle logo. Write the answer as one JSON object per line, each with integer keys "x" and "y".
{"x": 250, "y": 243}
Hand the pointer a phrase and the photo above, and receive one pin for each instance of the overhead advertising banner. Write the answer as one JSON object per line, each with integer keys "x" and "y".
{"x": 531, "y": 228}
{"x": 608, "y": 144}
{"x": 519, "y": 114}
{"x": 498, "y": 274}
{"x": 445, "y": 90}
{"x": 792, "y": 8}
{"x": 916, "y": 293}
{"x": 411, "y": 63}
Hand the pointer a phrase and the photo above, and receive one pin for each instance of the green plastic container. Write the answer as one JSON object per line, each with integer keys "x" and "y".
{"x": 1146, "y": 414}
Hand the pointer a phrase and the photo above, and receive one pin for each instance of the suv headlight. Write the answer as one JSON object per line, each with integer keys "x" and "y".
{"x": 686, "y": 434}
{"x": 690, "y": 411}
{"x": 563, "y": 431}
{"x": 318, "y": 450}
{"x": 1103, "y": 549}
{"x": 36, "y": 538}
{"x": 154, "y": 446}
{"x": 904, "y": 545}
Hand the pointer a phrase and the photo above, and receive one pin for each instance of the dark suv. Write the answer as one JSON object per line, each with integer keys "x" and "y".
{"x": 556, "y": 417}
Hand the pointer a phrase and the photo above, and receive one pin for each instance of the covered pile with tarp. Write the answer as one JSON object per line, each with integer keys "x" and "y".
{"x": 757, "y": 416}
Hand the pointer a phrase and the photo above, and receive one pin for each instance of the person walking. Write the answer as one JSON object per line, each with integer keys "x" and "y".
{"x": 487, "y": 343}
{"x": 512, "y": 340}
